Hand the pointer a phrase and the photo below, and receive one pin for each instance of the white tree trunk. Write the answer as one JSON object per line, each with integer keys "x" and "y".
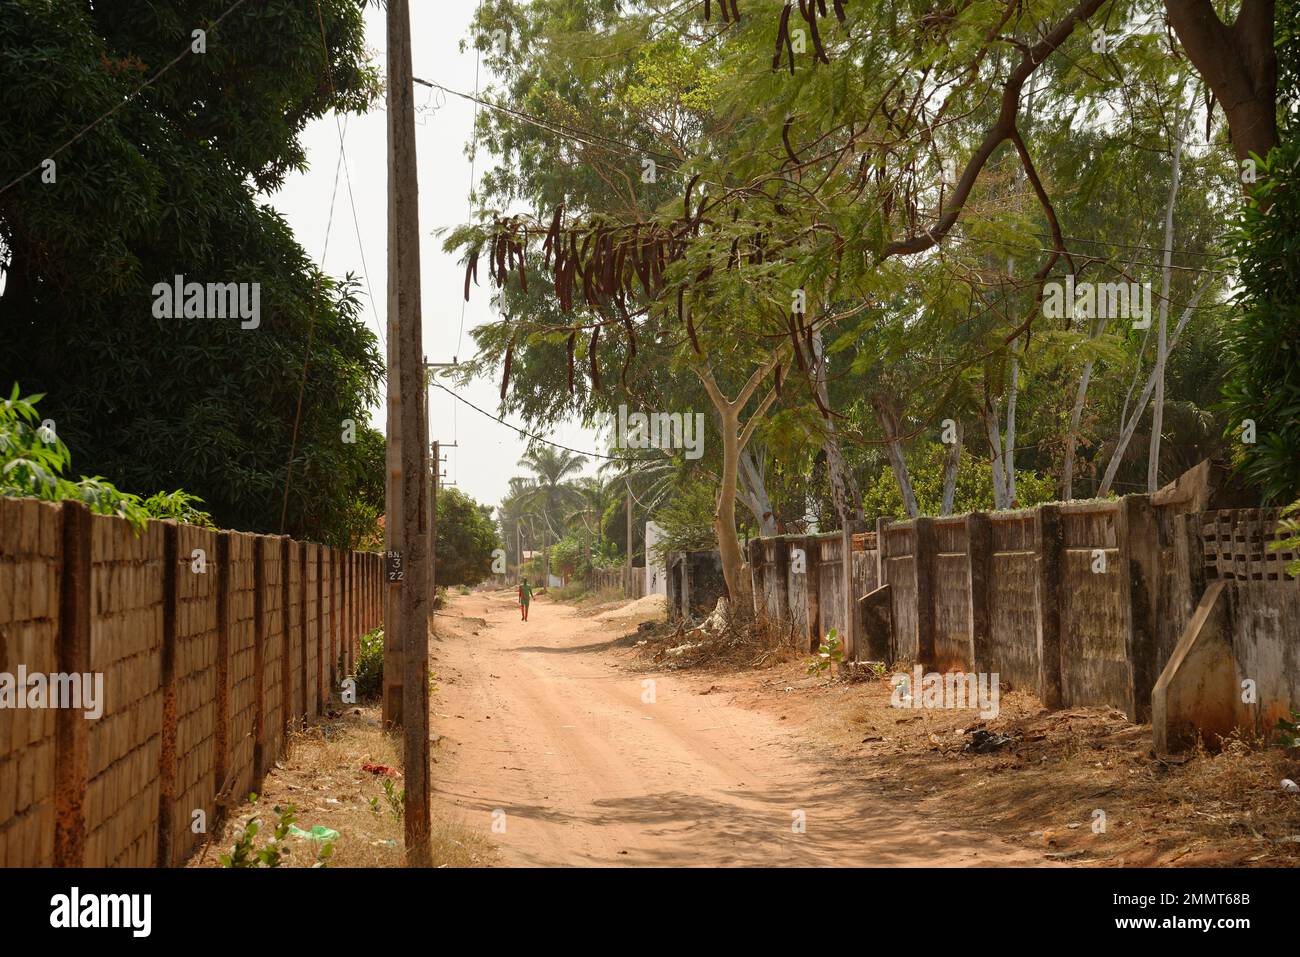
{"x": 951, "y": 464}
{"x": 1162, "y": 343}
{"x": 1127, "y": 432}
{"x": 991, "y": 428}
{"x": 844, "y": 488}
{"x": 894, "y": 449}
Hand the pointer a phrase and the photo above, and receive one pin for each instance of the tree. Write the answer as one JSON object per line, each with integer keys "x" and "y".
{"x": 552, "y": 496}
{"x": 1264, "y": 337}
{"x": 167, "y": 184}
{"x": 466, "y": 539}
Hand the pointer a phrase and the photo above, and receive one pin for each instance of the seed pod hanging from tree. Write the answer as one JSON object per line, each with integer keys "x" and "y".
{"x": 505, "y": 374}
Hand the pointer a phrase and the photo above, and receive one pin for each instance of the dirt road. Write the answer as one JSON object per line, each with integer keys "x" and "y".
{"x": 578, "y": 761}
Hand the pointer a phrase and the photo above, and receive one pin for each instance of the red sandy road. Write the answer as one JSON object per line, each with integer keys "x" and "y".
{"x": 546, "y": 728}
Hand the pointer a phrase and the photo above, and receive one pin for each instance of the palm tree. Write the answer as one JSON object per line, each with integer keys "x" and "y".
{"x": 596, "y": 495}
{"x": 552, "y": 493}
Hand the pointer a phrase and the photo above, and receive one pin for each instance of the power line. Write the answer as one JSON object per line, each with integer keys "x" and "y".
{"x": 531, "y": 435}
{"x": 585, "y": 137}
{"x": 124, "y": 101}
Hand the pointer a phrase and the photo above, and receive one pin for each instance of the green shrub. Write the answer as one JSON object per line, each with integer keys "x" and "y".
{"x": 33, "y": 459}
{"x": 370, "y": 666}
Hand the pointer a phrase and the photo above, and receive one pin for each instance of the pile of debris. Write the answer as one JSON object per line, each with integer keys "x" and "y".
{"x": 722, "y": 640}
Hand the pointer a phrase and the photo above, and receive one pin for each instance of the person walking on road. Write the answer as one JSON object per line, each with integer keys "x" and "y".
{"x": 525, "y": 597}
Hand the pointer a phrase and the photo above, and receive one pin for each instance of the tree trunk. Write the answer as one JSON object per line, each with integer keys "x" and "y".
{"x": 1162, "y": 338}
{"x": 951, "y": 464}
{"x": 894, "y": 449}
{"x": 989, "y": 414}
{"x": 1013, "y": 393}
{"x": 1076, "y": 416}
{"x": 753, "y": 493}
{"x": 844, "y": 487}
{"x": 1238, "y": 63}
{"x": 1009, "y": 454}
{"x": 724, "y": 517}
{"x": 1127, "y": 429}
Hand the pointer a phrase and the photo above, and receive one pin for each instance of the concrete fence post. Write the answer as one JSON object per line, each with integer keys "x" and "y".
{"x": 70, "y": 727}
{"x": 259, "y": 658}
{"x": 167, "y": 739}
{"x": 780, "y": 572}
{"x": 812, "y": 590}
{"x": 979, "y": 570}
{"x": 286, "y": 658}
{"x": 1049, "y": 548}
{"x": 1139, "y": 562}
{"x": 757, "y": 569}
{"x": 221, "y": 737}
{"x": 322, "y": 658}
{"x": 924, "y": 552}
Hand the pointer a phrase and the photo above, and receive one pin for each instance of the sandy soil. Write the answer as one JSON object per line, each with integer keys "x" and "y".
{"x": 548, "y": 732}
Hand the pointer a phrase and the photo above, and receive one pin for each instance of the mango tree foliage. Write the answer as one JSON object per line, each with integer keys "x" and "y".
{"x": 168, "y": 184}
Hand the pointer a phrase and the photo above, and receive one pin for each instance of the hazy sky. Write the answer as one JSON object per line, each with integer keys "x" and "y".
{"x": 488, "y": 452}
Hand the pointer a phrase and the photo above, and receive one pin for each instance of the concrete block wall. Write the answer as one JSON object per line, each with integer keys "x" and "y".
{"x": 1082, "y": 603}
{"x": 210, "y": 644}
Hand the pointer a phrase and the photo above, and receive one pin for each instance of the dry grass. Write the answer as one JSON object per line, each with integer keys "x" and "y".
{"x": 1043, "y": 788}
{"x": 321, "y": 775}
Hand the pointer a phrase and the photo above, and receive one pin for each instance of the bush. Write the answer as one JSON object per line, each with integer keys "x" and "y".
{"x": 33, "y": 459}
{"x": 370, "y": 666}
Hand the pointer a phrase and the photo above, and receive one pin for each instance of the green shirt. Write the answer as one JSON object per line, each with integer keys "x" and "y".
{"x": 525, "y": 593}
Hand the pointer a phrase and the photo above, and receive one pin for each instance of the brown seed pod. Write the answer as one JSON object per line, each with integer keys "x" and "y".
{"x": 785, "y": 140}
{"x": 505, "y": 375}
{"x": 595, "y": 362}
{"x": 794, "y": 340}
{"x": 690, "y": 326}
{"x": 686, "y": 200}
{"x": 783, "y": 36}
{"x": 552, "y": 234}
{"x": 471, "y": 270}
{"x": 810, "y": 16}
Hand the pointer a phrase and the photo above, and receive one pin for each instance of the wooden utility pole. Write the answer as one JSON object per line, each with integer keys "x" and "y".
{"x": 406, "y": 529}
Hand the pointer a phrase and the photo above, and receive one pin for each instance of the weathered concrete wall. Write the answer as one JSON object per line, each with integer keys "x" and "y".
{"x": 695, "y": 583}
{"x": 1083, "y": 603}
{"x": 898, "y": 560}
{"x": 1011, "y": 592}
{"x": 1094, "y": 616}
{"x": 1236, "y": 666}
{"x": 951, "y": 595}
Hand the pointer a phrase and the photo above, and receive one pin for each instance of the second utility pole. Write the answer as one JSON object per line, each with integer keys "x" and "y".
{"x": 407, "y": 525}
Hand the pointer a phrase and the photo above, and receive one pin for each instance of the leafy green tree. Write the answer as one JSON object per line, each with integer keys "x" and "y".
{"x": 466, "y": 538}
{"x": 33, "y": 459}
{"x": 973, "y": 492}
{"x": 1264, "y": 337}
{"x": 167, "y": 183}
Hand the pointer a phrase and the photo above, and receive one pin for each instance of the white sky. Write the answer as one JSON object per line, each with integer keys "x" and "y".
{"x": 488, "y": 452}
